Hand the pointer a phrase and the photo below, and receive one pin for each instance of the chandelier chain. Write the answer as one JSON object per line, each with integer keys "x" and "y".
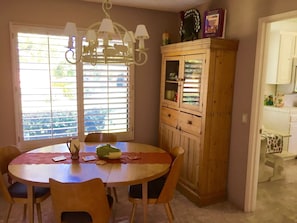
{"x": 106, "y": 6}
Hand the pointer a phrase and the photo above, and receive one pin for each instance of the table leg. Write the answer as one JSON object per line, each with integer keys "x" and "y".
{"x": 30, "y": 203}
{"x": 144, "y": 201}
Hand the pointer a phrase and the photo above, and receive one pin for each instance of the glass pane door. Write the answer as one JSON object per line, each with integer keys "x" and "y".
{"x": 171, "y": 80}
{"x": 191, "y": 84}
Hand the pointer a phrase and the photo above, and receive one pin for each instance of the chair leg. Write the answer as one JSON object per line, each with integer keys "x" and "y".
{"x": 38, "y": 209}
{"x": 108, "y": 191}
{"x": 8, "y": 214}
{"x": 169, "y": 212}
{"x": 25, "y": 212}
{"x": 115, "y": 194}
{"x": 133, "y": 213}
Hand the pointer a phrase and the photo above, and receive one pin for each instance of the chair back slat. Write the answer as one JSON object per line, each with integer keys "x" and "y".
{"x": 15, "y": 192}
{"x": 101, "y": 137}
{"x": 88, "y": 196}
{"x": 169, "y": 187}
{"x": 7, "y": 154}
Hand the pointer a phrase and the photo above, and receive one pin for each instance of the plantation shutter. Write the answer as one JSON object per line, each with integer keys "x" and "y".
{"x": 47, "y": 93}
{"x": 55, "y": 100}
{"x": 107, "y": 98}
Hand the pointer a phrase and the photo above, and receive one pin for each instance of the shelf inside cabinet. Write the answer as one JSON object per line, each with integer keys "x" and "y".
{"x": 171, "y": 89}
{"x": 172, "y": 68}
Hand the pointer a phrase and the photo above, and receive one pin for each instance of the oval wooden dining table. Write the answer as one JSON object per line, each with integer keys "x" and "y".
{"x": 138, "y": 164}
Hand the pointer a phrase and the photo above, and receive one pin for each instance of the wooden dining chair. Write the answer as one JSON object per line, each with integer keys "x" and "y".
{"x": 100, "y": 137}
{"x": 83, "y": 202}
{"x": 161, "y": 190}
{"x": 103, "y": 137}
{"x": 15, "y": 192}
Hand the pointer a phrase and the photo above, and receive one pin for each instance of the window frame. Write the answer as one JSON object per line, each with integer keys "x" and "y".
{"x": 30, "y": 144}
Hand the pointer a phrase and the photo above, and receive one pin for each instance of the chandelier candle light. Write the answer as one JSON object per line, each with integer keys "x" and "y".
{"x": 107, "y": 42}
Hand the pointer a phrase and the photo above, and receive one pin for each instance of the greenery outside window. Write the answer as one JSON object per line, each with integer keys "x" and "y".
{"x": 55, "y": 100}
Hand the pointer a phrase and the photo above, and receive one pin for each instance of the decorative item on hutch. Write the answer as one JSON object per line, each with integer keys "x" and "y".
{"x": 165, "y": 38}
{"x": 214, "y": 23}
{"x": 190, "y": 25}
{"x": 98, "y": 45}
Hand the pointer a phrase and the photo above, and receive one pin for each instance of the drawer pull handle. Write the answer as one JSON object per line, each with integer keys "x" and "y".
{"x": 189, "y": 122}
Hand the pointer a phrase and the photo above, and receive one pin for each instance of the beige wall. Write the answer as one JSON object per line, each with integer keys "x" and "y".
{"x": 242, "y": 24}
{"x": 242, "y": 21}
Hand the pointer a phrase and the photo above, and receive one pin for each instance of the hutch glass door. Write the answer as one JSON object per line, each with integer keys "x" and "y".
{"x": 191, "y": 87}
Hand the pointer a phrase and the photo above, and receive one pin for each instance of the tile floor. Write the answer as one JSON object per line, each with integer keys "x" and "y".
{"x": 276, "y": 204}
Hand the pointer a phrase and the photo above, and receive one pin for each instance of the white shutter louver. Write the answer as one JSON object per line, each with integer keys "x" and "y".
{"x": 55, "y": 100}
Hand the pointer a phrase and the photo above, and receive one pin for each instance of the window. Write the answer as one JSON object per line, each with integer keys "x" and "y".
{"x": 55, "y": 100}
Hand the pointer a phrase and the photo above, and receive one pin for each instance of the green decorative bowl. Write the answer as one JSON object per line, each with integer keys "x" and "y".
{"x": 107, "y": 151}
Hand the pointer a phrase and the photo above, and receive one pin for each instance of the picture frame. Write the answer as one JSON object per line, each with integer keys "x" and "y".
{"x": 214, "y": 23}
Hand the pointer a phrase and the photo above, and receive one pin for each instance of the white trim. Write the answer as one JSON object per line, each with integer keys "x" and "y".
{"x": 28, "y": 144}
{"x": 15, "y": 78}
{"x": 256, "y": 113}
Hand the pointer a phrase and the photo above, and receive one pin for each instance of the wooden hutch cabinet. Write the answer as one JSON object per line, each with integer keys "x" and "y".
{"x": 195, "y": 113}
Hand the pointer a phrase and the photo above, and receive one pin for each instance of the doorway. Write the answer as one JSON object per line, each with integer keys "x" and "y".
{"x": 257, "y": 110}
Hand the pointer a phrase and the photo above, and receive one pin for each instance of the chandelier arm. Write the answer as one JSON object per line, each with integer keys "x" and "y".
{"x": 120, "y": 31}
{"x": 94, "y": 25}
{"x": 73, "y": 59}
{"x": 141, "y": 58}
{"x": 94, "y": 62}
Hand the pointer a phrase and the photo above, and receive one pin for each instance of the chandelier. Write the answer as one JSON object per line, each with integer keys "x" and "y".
{"x": 106, "y": 42}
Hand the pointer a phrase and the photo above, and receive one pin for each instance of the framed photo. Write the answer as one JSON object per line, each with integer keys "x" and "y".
{"x": 214, "y": 23}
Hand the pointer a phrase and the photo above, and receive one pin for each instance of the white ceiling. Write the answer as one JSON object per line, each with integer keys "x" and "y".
{"x": 162, "y": 5}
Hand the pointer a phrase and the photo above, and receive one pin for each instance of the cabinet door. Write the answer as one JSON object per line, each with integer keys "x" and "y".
{"x": 191, "y": 145}
{"x": 169, "y": 137}
{"x": 170, "y": 81}
{"x": 280, "y": 50}
{"x": 191, "y": 84}
{"x": 286, "y": 53}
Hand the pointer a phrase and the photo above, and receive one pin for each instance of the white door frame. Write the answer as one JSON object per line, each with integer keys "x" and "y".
{"x": 256, "y": 112}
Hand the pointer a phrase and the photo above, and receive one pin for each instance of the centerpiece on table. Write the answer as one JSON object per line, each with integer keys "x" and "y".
{"x": 74, "y": 147}
{"x": 107, "y": 151}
